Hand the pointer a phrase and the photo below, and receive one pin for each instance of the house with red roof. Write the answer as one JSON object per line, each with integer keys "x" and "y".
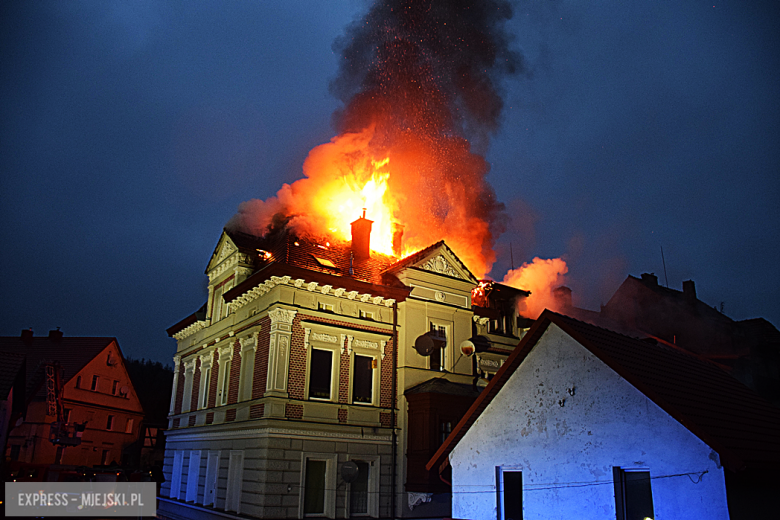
{"x": 583, "y": 422}
{"x": 95, "y": 393}
{"x": 320, "y": 376}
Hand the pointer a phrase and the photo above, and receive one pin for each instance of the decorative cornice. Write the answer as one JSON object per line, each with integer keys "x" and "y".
{"x": 191, "y": 329}
{"x": 225, "y": 353}
{"x": 339, "y": 292}
{"x": 183, "y": 435}
{"x": 250, "y": 341}
{"x": 190, "y": 364}
{"x": 206, "y": 359}
{"x": 481, "y": 320}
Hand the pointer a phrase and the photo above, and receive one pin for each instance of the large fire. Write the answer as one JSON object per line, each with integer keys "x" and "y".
{"x": 420, "y": 82}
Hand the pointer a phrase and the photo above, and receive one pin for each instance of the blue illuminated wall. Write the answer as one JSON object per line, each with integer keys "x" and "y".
{"x": 566, "y": 453}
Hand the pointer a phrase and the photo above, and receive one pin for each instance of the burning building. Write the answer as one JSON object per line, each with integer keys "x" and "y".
{"x": 290, "y": 379}
{"x": 336, "y": 351}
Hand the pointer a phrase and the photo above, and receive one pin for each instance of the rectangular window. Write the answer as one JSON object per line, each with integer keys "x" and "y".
{"x": 109, "y": 422}
{"x": 445, "y": 428}
{"x": 247, "y": 374}
{"x": 320, "y": 373}
{"x": 66, "y": 414}
{"x": 204, "y": 388}
{"x": 129, "y": 426}
{"x": 114, "y": 387}
{"x": 78, "y": 382}
{"x": 439, "y": 355}
{"x": 95, "y": 383}
{"x": 216, "y": 305}
{"x": 366, "y": 314}
{"x": 193, "y": 473}
{"x": 363, "y": 380}
{"x": 235, "y": 481}
{"x": 358, "y": 490}
{"x": 178, "y": 464}
{"x": 104, "y": 458}
{"x": 225, "y": 384}
{"x": 633, "y": 495}
{"x": 509, "y": 489}
{"x": 314, "y": 490}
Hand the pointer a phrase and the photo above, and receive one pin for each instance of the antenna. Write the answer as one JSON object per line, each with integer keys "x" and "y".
{"x": 511, "y": 256}
{"x": 664, "y": 261}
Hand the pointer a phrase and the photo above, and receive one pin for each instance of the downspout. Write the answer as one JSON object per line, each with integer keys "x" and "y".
{"x": 393, "y": 404}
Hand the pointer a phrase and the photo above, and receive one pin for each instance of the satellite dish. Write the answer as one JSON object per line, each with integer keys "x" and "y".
{"x": 349, "y": 472}
{"x": 124, "y": 391}
{"x": 426, "y": 343}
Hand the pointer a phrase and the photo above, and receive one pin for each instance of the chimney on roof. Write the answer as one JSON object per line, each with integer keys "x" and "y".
{"x": 650, "y": 279}
{"x": 361, "y": 237}
{"x": 55, "y": 335}
{"x": 562, "y": 296}
{"x": 689, "y": 291}
{"x": 398, "y": 235}
{"x": 27, "y": 336}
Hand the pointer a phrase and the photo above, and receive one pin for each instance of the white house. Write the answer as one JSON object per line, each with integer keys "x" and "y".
{"x": 582, "y": 422}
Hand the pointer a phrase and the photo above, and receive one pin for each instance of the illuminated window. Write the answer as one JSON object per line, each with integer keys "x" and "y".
{"x": 324, "y": 262}
{"x": 327, "y": 307}
{"x": 633, "y": 495}
{"x": 363, "y": 379}
{"x": 438, "y": 357}
{"x": 366, "y": 314}
{"x": 320, "y": 374}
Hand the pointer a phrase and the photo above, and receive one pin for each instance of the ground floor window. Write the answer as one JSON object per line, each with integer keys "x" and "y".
{"x": 509, "y": 490}
{"x": 633, "y": 494}
{"x": 358, "y": 491}
{"x": 314, "y": 490}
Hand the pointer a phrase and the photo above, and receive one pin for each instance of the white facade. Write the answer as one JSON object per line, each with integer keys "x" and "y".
{"x": 566, "y": 446}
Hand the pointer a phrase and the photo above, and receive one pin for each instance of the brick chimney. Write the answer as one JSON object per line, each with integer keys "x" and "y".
{"x": 361, "y": 237}
{"x": 689, "y": 292}
{"x": 27, "y": 337}
{"x": 55, "y": 336}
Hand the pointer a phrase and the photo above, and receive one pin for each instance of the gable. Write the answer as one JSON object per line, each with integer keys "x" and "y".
{"x": 225, "y": 248}
{"x": 108, "y": 366}
{"x": 438, "y": 259}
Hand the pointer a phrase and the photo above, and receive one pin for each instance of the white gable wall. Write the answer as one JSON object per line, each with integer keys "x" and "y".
{"x": 567, "y": 453}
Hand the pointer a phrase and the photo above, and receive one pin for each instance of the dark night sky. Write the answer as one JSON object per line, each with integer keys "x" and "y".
{"x": 131, "y": 131}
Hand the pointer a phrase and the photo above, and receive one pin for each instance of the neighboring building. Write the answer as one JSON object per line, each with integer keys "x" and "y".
{"x": 288, "y": 382}
{"x": 95, "y": 389}
{"x": 12, "y": 394}
{"x": 582, "y": 422}
{"x": 750, "y": 349}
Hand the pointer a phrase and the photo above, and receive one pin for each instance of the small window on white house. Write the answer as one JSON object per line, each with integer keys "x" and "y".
{"x": 369, "y": 315}
{"x": 363, "y": 379}
{"x": 320, "y": 374}
{"x": 326, "y": 307}
{"x": 510, "y": 493}
{"x": 225, "y": 384}
{"x": 633, "y": 494}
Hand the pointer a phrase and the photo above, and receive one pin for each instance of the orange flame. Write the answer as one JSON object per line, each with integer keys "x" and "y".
{"x": 540, "y": 277}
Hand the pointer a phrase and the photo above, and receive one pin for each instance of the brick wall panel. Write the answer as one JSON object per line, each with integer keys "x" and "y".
{"x": 235, "y": 373}
{"x": 261, "y": 359}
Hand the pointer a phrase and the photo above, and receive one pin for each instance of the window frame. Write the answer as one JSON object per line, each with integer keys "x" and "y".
{"x": 329, "y": 506}
{"x": 375, "y": 372}
{"x": 621, "y": 497}
{"x": 95, "y": 383}
{"x": 445, "y": 356}
{"x": 334, "y": 366}
{"x": 501, "y": 490}
{"x": 373, "y": 486}
{"x": 110, "y": 423}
